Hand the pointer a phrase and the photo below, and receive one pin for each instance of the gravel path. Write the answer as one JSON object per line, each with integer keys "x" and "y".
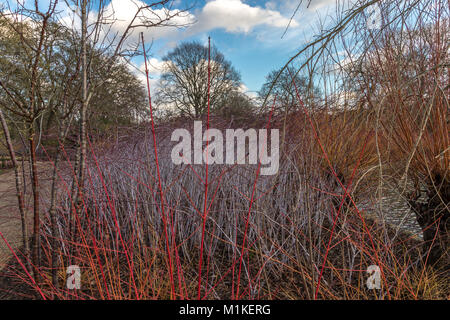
{"x": 10, "y": 224}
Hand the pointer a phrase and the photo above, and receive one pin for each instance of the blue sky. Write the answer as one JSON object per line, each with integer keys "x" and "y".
{"x": 255, "y": 48}
{"x": 248, "y": 32}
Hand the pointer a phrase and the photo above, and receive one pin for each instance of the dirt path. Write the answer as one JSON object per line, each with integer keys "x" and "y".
{"x": 10, "y": 223}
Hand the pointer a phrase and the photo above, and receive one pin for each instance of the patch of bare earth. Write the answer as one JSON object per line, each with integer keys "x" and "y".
{"x": 10, "y": 222}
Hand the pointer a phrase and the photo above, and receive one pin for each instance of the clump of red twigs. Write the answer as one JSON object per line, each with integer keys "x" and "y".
{"x": 297, "y": 234}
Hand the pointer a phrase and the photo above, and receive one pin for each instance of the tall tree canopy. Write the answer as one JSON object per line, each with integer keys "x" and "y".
{"x": 283, "y": 88}
{"x": 184, "y": 82}
{"x": 120, "y": 98}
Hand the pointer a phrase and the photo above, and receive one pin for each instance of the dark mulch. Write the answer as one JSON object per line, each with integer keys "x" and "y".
{"x": 12, "y": 287}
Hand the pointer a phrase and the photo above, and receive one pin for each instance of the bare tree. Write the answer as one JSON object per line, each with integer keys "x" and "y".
{"x": 184, "y": 86}
{"x": 29, "y": 103}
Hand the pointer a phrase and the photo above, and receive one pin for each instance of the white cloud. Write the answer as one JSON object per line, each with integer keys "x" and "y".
{"x": 124, "y": 11}
{"x": 118, "y": 15}
{"x": 155, "y": 69}
{"x": 318, "y": 4}
{"x": 236, "y": 16}
{"x": 233, "y": 16}
{"x": 306, "y": 6}
{"x": 156, "y": 66}
{"x": 153, "y": 82}
{"x": 244, "y": 89}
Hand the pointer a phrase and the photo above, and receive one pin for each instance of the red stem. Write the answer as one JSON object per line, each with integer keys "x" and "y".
{"x": 205, "y": 208}
{"x": 172, "y": 285}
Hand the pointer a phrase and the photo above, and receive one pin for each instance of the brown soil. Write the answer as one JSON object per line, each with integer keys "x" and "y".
{"x": 10, "y": 223}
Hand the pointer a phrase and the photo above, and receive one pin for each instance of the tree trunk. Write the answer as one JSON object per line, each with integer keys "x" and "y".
{"x": 54, "y": 228}
{"x": 35, "y": 187}
{"x": 19, "y": 194}
{"x": 84, "y": 106}
{"x": 433, "y": 216}
{"x": 78, "y": 181}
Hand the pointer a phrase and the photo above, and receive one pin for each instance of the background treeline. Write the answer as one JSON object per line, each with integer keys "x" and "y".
{"x": 119, "y": 98}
